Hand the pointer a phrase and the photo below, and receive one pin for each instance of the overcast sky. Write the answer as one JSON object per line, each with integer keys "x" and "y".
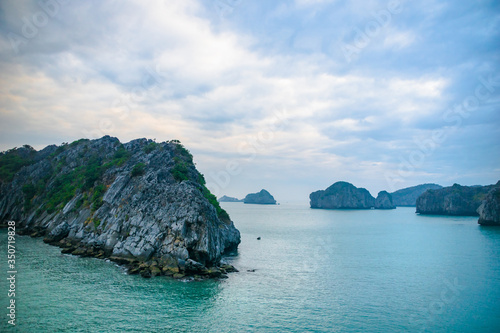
{"x": 290, "y": 96}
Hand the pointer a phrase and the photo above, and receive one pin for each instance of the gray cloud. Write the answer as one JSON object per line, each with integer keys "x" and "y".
{"x": 264, "y": 84}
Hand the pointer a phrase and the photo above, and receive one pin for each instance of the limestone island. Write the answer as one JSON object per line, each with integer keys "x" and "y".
{"x": 344, "y": 195}
{"x": 489, "y": 211}
{"x": 454, "y": 200}
{"x": 141, "y": 204}
{"x": 225, "y": 198}
{"x": 261, "y": 198}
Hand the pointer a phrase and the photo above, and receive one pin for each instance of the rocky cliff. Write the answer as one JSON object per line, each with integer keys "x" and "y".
{"x": 142, "y": 203}
{"x": 489, "y": 210}
{"x": 453, "y": 200}
{"x": 225, "y": 198}
{"x": 262, "y": 198}
{"x": 342, "y": 195}
{"x": 408, "y": 196}
{"x": 384, "y": 201}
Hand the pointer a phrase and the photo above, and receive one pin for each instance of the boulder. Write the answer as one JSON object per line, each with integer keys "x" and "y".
{"x": 193, "y": 267}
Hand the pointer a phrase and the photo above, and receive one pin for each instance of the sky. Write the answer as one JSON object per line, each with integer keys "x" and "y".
{"x": 290, "y": 96}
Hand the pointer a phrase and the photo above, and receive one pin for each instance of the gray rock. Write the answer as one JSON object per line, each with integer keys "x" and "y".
{"x": 193, "y": 267}
{"x": 58, "y": 233}
{"x": 489, "y": 210}
{"x": 141, "y": 200}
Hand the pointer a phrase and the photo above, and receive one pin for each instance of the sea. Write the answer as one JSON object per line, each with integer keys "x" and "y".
{"x": 311, "y": 270}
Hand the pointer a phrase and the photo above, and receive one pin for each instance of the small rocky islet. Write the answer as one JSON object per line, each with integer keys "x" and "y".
{"x": 344, "y": 195}
{"x": 141, "y": 204}
{"x": 260, "y": 198}
{"x": 225, "y": 198}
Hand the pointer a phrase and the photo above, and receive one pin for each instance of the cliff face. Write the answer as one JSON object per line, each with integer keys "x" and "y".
{"x": 384, "y": 201}
{"x": 342, "y": 195}
{"x": 408, "y": 196}
{"x": 139, "y": 202}
{"x": 454, "y": 200}
{"x": 262, "y": 198}
{"x": 489, "y": 210}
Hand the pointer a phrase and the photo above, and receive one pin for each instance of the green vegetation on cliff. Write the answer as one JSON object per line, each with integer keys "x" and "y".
{"x": 13, "y": 160}
{"x": 180, "y": 171}
{"x": 62, "y": 182}
{"x": 59, "y": 187}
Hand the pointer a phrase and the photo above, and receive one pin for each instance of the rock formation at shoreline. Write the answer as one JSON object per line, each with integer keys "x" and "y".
{"x": 225, "y": 198}
{"x": 262, "y": 198}
{"x": 142, "y": 204}
{"x": 408, "y": 196}
{"x": 453, "y": 200}
{"x": 489, "y": 210}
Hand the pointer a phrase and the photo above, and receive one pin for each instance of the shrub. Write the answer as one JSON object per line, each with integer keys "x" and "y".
{"x": 93, "y": 172}
{"x": 150, "y": 147}
{"x": 79, "y": 203}
{"x": 121, "y": 156}
{"x": 138, "y": 170}
{"x": 221, "y": 213}
{"x": 181, "y": 150}
{"x": 201, "y": 179}
{"x": 97, "y": 202}
{"x": 10, "y": 163}
{"x": 180, "y": 170}
{"x": 29, "y": 191}
{"x": 63, "y": 190}
{"x": 60, "y": 149}
{"x": 77, "y": 142}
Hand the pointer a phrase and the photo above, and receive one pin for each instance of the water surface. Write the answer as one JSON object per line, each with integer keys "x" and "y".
{"x": 312, "y": 271}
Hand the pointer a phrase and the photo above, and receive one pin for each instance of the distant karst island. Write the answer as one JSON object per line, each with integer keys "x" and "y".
{"x": 261, "y": 198}
{"x": 344, "y": 195}
{"x": 461, "y": 200}
{"x": 141, "y": 204}
{"x": 225, "y": 198}
{"x": 429, "y": 199}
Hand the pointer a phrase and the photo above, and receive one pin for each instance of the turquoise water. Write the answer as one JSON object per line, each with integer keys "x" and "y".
{"x": 315, "y": 271}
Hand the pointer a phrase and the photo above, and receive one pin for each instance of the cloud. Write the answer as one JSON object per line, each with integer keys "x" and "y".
{"x": 399, "y": 39}
{"x": 311, "y": 2}
{"x": 271, "y": 94}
